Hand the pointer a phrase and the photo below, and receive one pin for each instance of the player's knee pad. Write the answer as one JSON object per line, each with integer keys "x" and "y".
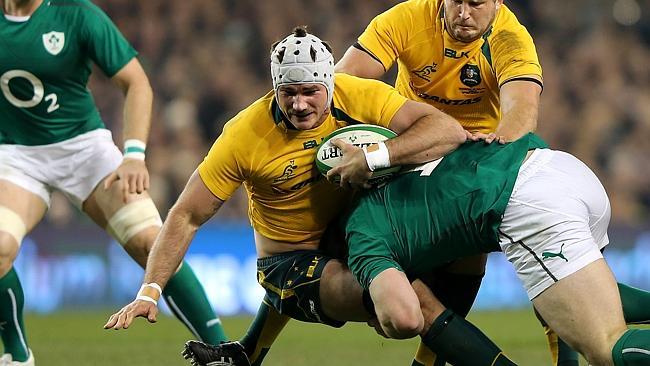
{"x": 132, "y": 219}
{"x": 12, "y": 223}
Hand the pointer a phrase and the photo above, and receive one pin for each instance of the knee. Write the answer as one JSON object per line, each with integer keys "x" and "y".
{"x": 8, "y": 252}
{"x": 402, "y": 323}
{"x": 600, "y": 351}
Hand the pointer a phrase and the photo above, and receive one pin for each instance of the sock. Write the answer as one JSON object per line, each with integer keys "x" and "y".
{"x": 561, "y": 353}
{"x": 635, "y": 304}
{"x": 266, "y": 327}
{"x": 12, "y": 329}
{"x": 187, "y": 300}
{"x": 633, "y": 348}
{"x": 462, "y": 344}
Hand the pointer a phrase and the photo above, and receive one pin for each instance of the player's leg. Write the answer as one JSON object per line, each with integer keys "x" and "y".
{"x": 456, "y": 286}
{"x": 251, "y": 349}
{"x": 585, "y": 310}
{"x": 20, "y": 211}
{"x": 561, "y": 353}
{"x": 134, "y": 225}
{"x": 554, "y": 244}
{"x": 405, "y": 310}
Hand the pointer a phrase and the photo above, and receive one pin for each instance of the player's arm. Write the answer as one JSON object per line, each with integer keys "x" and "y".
{"x": 424, "y": 134}
{"x": 194, "y": 207}
{"x": 359, "y": 62}
{"x": 132, "y": 173}
{"x": 519, "y": 108}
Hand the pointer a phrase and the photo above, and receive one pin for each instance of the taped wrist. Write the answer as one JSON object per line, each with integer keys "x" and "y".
{"x": 150, "y": 292}
{"x": 377, "y": 156}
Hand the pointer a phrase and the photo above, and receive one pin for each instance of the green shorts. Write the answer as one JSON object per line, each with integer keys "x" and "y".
{"x": 292, "y": 284}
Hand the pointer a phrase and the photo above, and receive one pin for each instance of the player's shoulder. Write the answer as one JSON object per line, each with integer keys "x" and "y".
{"x": 345, "y": 84}
{"x": 80, "y": 8}
{"x": 257, "y": 116}
{"x": 506, "y": 20}
{"x": 413, "y": 12}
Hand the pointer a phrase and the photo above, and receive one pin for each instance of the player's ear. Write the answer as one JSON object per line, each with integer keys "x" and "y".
{"x": 497, "y": 4}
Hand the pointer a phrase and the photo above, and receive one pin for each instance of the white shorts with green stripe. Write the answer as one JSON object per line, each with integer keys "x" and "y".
{"x": 74, "y": 167}
{"x": 556, "y": 220}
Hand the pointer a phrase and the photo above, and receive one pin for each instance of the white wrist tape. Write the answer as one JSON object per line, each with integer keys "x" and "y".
{"x": 150, "y": 292}
{"x": 377, "y": 156}
{"x": 146, "y": 298}
{"x": 134, "y": 149}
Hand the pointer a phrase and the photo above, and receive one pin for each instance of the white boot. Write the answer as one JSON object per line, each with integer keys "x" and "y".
{"x": 6, "y": 360}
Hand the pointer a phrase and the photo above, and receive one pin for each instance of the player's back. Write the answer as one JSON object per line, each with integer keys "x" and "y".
{"x": 451, "y": 207}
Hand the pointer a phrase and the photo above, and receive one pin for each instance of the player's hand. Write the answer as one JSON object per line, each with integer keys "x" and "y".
{"x": 488, "y": 138}
{"x": 138, "y": 308}
{"x": 353, "y": 170}
{"x": 132, "y": 177}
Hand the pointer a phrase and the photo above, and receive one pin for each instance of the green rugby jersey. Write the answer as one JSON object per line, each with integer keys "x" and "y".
{"x": 424, "y": 221}
{"x": 45, "y": 63}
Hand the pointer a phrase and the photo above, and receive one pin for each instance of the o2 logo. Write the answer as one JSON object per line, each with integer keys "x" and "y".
{"x": 37, "y": 86}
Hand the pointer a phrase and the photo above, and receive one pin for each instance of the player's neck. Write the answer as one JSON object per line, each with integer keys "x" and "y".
{"x": 20, "y": 8}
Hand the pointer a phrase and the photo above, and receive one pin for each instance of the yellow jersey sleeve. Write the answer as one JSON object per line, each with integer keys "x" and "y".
{"x": 512, "y": 49}
{"x": 366, "y": 100}
{"x": 390, "y": 32}
{"x": 221, "y": 169}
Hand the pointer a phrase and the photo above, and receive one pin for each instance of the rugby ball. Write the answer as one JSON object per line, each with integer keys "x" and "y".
{"x": 329, "y": 156}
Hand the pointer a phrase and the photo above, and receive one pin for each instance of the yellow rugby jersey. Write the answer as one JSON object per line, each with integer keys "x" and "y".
{"x": 461, "y": 79}
{"x": 289, "y": 200}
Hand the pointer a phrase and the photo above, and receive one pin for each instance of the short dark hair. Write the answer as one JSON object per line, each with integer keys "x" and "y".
{"x": 299, "y": 31}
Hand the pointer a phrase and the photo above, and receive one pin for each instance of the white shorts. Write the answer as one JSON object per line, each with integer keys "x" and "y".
{"x": 74, "y": 166}
{"x": 556, "y": 220}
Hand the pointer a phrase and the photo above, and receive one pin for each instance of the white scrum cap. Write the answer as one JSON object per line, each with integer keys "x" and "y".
{"x": 302, "y": 58}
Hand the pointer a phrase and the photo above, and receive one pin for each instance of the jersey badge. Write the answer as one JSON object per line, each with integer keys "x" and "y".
{"x": 54, "y": 42}
{"x": 424, "y": 72}
{"x": 470, "y": 75}
{"x": 287, "y": 173}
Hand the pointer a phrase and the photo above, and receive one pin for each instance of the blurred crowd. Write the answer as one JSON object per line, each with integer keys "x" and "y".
{"x": 208, "y": 59}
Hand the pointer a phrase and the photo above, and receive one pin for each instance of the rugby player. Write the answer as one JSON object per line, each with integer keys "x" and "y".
{"x": 270, "y": 147}
{"x": 495, "y": 197}
{"x": 53, "y": 138}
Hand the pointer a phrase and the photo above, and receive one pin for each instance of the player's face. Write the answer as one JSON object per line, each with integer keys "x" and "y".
{"x": 305, "y": 105}
{"x": 468, "y": 20}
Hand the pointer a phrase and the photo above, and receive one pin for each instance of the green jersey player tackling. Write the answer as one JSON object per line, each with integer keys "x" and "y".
{"x": 546, "y": 210}
{"x": 52, "y": 138}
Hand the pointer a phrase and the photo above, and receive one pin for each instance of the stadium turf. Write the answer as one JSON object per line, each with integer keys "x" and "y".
{"x": 77, "y": 338}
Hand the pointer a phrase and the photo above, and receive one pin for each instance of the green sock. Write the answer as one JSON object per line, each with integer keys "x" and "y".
{"x": 462, "y": 344}
{"x": 187, "y": 300}
{"x": 566, "y": 356}
{"x": 261, "y": 334}
{"x": 12, "y": 329}
{"x": 635, "y": 304}
{"x": 633, "y": 348}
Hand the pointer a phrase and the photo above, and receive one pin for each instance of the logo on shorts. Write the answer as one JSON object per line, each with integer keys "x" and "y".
{"x": 2, "y": 325}
{"x": 550, "y": 255}
{"x": 54, "y": 42}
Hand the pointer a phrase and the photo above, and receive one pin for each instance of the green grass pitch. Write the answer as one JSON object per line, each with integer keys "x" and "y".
{"x": 77, "y": 338}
